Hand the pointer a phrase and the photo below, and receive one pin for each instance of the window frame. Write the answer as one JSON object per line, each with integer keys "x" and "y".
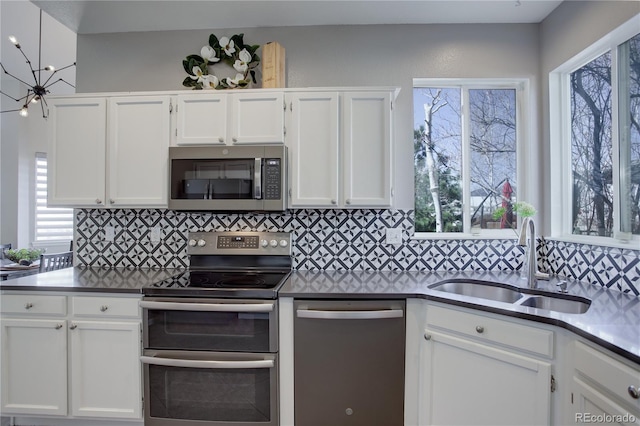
{"x": 524, "y": 149}
{"x": 560, "y": 138}
{"x": 45, "y": 242}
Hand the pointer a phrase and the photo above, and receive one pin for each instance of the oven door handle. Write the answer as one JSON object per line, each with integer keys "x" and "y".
{"x": 186, "y": 363}
{"x": 381, "y": 314}
{"x": 208, "y": 307}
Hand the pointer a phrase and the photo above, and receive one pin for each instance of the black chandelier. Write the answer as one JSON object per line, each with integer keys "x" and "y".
{"x": 40, "y": 87}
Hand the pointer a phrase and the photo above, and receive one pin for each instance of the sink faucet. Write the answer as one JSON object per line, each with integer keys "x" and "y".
{"x": 528, "y": 229}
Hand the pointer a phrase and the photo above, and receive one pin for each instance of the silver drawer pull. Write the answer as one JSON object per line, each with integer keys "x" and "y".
{"x": 103, "y": 308}
{"x": 480, "y": 329}
{"x": 58, "y": 326}
{"x": 28, "y": 305}
{"x": 73, "y": 326}
{"x": 633, "y": 391}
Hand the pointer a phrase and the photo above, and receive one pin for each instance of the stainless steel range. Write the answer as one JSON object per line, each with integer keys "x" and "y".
{"x": 210, "y": 335}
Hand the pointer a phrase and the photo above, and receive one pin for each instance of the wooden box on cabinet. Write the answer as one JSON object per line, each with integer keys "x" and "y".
{"x": 273, "y": 65}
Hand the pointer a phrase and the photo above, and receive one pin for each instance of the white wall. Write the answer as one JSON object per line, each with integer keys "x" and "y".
{"x": 375, "y": 55}
{"x": 21, "y": 138}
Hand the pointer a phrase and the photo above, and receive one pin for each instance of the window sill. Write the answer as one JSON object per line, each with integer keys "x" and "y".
{"x": 633, "y": 244}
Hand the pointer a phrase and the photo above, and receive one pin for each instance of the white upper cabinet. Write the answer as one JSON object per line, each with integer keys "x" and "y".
{"x": 340, "y": 148}
{"x": 202, "y": 119}
{"x": 366, "y": 148}
{"x": 312, "y": 141}
{"x": 109, "y": 152}
{"x": 230, "y": 118}
{"x": 76, "y": 154}
{"x": 139, "y": 135}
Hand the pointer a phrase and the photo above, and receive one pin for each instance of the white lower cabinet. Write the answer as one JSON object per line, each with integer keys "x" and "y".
{"x": 604, "y": 390}
{"x": 73, "y": 356}
{"x": 482, "y": 370}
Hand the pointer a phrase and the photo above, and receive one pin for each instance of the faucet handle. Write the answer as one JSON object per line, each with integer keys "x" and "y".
{"x": 562, "y": 286}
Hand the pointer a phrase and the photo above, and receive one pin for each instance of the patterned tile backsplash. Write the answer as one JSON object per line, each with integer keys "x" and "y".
{"x": 339, "y": 240}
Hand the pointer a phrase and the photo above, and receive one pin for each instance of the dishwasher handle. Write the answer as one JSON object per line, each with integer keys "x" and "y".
{"x": 338, "y": 314}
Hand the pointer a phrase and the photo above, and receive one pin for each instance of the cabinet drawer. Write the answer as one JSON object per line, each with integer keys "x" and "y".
{"x": 105, "y": 306}
{"x": 493, "y": 330}
{"x": 607, "y": 373}
{"x": 33, "y": 304}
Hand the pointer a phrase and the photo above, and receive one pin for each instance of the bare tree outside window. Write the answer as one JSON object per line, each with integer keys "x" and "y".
{"x": 439, "y": 145}
{"x": 595, "y": 174}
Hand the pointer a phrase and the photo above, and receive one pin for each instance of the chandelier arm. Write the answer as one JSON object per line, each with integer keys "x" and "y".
{"x": 9, "y": 96}
{"x": 11, "y": 110}
{"x": 59, "y": 80}
{"x": 53, "y": 73}
{"x": 11, "y": 75}
{"x": 42, "y": 105}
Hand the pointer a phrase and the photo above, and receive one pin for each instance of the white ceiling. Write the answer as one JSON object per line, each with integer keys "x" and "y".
{"x": 98, "y": 16}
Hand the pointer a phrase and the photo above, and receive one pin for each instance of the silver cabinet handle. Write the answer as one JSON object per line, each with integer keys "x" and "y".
{"x": 235, "y": 139}
{"x": 98, "y": 201}
{"x": 427, "y": 336}
{"x": 382, "y": 314}
{"x": 103, "y": 308}
{"x": 29, "y": 305}
{"x": 347, "y": 202}
{"x": 334, "y": 202}
{"x": 209, "y": 307}
{"x": 480, "y": 329}
{"x": 73, "y": 326}
{"x": 112, "y": 201}
{"x": 58, "y": 326}
{"x": 633, "y": 391}
{"x": 171, "y": 362}
{"x": 221, "y": 139}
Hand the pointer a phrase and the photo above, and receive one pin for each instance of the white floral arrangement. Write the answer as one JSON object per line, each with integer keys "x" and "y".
{"x": 231, "y": 51}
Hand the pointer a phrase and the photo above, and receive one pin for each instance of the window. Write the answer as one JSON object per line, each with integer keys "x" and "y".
{"x": 599, "y": 136}
{"x": 466, "y": 141}
{"x": 52, "y": 224}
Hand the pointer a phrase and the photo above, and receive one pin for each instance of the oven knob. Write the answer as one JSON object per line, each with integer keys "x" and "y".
{"x": 202, "y": 243}
{"x": 192, "y": 243}
{"x": 283, "y": 243}
{"x": 264, "y": 243}
{"x": 273, "y": 243}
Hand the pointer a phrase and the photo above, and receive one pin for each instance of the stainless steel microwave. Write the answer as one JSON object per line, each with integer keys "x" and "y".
{"x": 228, "y": 178}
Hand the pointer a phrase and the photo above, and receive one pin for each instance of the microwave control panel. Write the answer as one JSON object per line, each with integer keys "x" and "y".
{"x": 272, "y": 179}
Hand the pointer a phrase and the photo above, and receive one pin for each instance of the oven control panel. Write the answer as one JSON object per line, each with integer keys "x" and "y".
{"x": 212, "y": 243}
{"x": 238, "y": 241}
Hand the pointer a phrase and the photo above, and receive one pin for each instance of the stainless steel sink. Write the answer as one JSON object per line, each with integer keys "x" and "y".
{"x": 480, "y": 290}
{"x": 565, "y": 305}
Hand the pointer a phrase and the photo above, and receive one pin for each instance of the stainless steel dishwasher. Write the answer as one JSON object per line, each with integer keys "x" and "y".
{"x": 349, "y": 362}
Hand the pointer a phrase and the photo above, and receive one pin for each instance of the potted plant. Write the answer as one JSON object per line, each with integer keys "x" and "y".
{"x": 23, "y": 257}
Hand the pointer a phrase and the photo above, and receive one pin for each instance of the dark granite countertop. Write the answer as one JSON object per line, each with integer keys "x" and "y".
{"x": 102, "y": 280}
{"x": 612, "y": 321}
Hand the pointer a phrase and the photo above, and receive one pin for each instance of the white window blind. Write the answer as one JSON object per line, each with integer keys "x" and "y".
{"x": 52, "y": 223}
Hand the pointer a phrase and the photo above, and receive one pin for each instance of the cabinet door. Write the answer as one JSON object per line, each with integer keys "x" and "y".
{"x": 76, "y": 152}
{"x": 366, "y": 148}
{"x": 312, "y": 142}
{"x": 34, "y": 366}
{"x": 464, "y": 382}
{"x": 257, "y": 118}
{"x": 105, "y": 369}
{"x": 139, "y": 134}
{"x": 202, "y": 119}
{"x": 592, "y": 406}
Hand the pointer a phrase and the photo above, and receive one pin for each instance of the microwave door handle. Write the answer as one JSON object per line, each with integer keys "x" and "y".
{"x": 257, "y": 179}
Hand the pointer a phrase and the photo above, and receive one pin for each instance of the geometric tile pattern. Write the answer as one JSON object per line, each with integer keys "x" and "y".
{"x": 338, "y": 240}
